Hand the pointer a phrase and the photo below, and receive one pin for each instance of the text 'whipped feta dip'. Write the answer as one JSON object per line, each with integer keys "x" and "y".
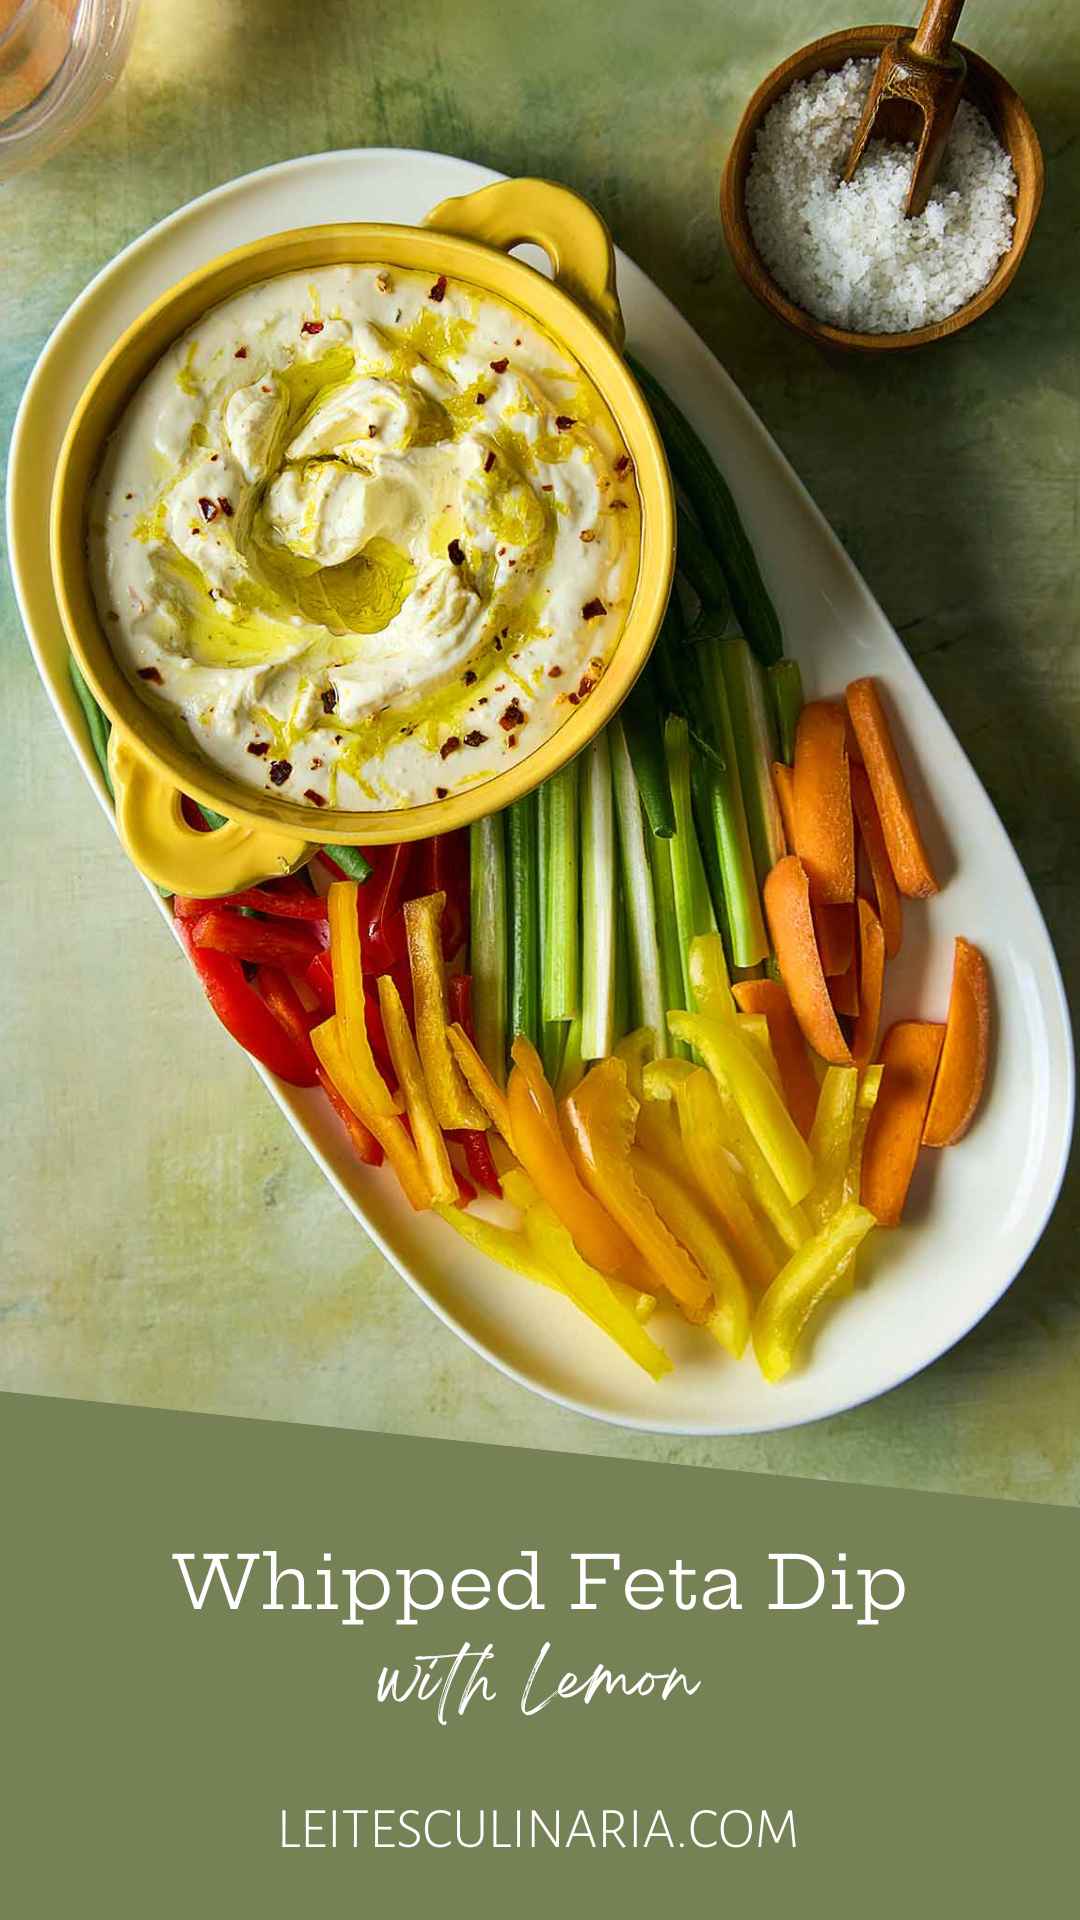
{"x": 365, "y": 537}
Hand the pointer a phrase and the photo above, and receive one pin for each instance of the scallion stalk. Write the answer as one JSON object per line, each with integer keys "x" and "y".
{"x": 748, "y": 939}
{"x": 642, "y": 721}
{"x": 672, "y": 990}
{"x": 693, "y": 906}
{"x": 599, "y": 901}
{"x": 523, "y": 893}
{"x": 97, "y": 724}
{"x": 488, "y": 956}
{"x": 755, "y": 750}
{"x": 561, "y": 984}
{"x": 702, "y": 568}
{"x": 646, "y": 991}
{"x": 785, "y": 685}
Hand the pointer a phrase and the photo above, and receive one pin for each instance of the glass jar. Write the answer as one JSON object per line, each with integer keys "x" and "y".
{"x": 58, "y": 60}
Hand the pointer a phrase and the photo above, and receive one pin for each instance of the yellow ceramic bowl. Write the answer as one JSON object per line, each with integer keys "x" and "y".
{"x": 468, "y": 239}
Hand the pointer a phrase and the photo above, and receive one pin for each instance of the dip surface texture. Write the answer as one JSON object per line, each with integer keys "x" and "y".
{"x": 364, "y": 537}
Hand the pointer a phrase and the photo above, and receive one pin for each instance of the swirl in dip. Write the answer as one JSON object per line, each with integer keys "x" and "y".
{"x": 364, "y": 537}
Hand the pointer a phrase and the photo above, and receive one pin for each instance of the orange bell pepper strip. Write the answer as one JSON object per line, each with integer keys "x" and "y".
{"x": 688, "y": 1221}
{"x": 431, "y": 1149}
{"x": 601, "y": 1115}
{"x": 454, "y": 1104}
{"x": 907, "y": 852}
{"x": 965, "y": 1054}
{"x": 871, "y": 985}
{"x": 910, "y": 1058}
{"x": 791, "y": 924}
{"x": 784, "y": 782}
{"x": 797, "y": 1076}
{"x": 824, "y": 825}
{"x": 351, "y": 1008}
{"x": 481, "y": 1081}
{"x": 872, "y": 839}
{"x": 329, "y": 1044}
{"x": 539, "y": 1146}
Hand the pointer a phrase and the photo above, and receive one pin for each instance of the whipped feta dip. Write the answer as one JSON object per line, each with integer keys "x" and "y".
{"x": 365, "y": 538}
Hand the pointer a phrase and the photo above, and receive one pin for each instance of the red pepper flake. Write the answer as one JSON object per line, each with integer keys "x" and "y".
{"x": 312, "y": 326}
{"x": 554, "y": 673}
{"x": 622, "y": 464}
{"x": 441, "y": 793}
{"x": 512, "y": 716}
{"x": 587, "y": 534}
{"x": 225, "y": 504}
{"x": 573, "y": 699}
{"x": 129, "y": 496}
{"x": 450, "y": 745}
{"x": 469, "y": 677}
{"x": 266, "y": 389}
{"x": 481, "y": 399}
{"x": 586, "y": 686}
{"x": 315, "y": 765}
{"x": 317, "y": 799}
{"x": 151, "y": 673}
{"x": 329, "y": 699}
{"x": 489, "y": 461}
{"x": 439, "y": 289}
{"x": 258, "y": 748}
{"x": 208, "y": 508}
{"x": 547, "y": 487}
{"x": 593, "y": 610}
{"x": 564, "y": 422}
{"x": 280, "y": 771}
{"x": 457, "y": 556}
{"x": 511, "y": 740}
{"x": 499, "y": 366}
{"x": 240, "y": 354}
{"x": 475, "y": 738}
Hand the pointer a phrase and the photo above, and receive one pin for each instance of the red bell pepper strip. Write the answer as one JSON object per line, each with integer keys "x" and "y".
{"x": 319, "y": 975}
{"x": 288, "y": 947}
{"x": 366, "y": 1145}
{"x": 444, "y": 868}
{"x": 286, "y": 1005}
{"x": 244, "y": 1014}
{"x": 382, "y": 926}
{"x": 298, "y": 905}
{"x": 476, "y": 1147}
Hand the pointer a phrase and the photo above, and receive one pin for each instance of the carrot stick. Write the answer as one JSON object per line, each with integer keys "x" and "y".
{"x": 966, "y": 1052}
{"x": 791, "y": 924}
{"x": 908, "y": 857}
{"x": 910, "y": 1057}
{"x": 797, "y": 1076}
{"x": 871, "y": 984}
{"x": 835, "y": 930}
{"x": 890, "y": 911}
{"x": 784, "y": 782}
{"x": 824, "y": 829}
{"x": 844, "y": 988}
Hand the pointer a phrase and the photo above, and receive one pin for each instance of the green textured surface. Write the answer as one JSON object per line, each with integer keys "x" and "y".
{"x": 166, "y": 1239}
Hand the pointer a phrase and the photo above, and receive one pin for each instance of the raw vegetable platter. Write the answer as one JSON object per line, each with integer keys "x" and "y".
{"x": 973, "y": 1214}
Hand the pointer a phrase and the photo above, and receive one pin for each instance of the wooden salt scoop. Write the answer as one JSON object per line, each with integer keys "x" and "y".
{"x": 914, "y": 96}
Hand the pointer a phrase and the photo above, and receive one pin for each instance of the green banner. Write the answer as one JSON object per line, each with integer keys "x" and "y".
{"x": 259, "y": 1669}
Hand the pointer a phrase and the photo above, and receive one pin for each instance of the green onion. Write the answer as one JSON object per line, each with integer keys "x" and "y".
{"x": 646, "y": 991}
{"x": 711, "y": 498}
{"x": 572, "y": 1062}
{"x": 755, "y": 750}
{"x": 561, "y": 985}
{"x": 748, "y": 940}
{"x": 693, "y": 907}
{"x": 785, "y": 685}
{"x": 702, "y": 569}
{"x": 349, "y": 859}
{"x": 672, "y": 990}
{"x": 487, "y": 939}
{"x": 642, "y": 719}
{"x": 599, "y": 902}
{"x": 97, "y": 725}
{"x": 620, "y": 1020}
{"x": 523, "y": 898}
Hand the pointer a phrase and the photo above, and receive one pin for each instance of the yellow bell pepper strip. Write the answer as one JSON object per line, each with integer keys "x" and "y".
{"x": 455, "y": 1106}
{"x": 731, "y": 1061}
{"x": 540, "y": 1147}
{"x": 710, "y": 981}
{"x": 755, "y": 1031}
{"x": 506, "y": 1245}
{"x": 590, "y": 1291}
{"x": 810, "y": 1277}
{"x": 788, "y": 1221}
{"x": 635, "y": 1050}
{"x": 481, "y": 1081}
{"x": 601, "y": 1115}
{"x": 729, "y": 1318}
{"x": 658, "y": 1133}
{"x": 427, "y": 1135}
{"x": 869, "y": 1088}
{"x": 339, "y": 1066}
{"x": 519, "y": 1190}
{"x": 830, "y": 1142}
{"x": 350, "y": 1004}
{"x": 703, "y": 1142}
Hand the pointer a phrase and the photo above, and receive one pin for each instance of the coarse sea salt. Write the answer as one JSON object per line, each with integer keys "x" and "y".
{"x": 845, "y": 252}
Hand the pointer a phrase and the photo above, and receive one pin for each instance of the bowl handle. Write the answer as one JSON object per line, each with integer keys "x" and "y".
{"x": 178, "y": 857}
{"x": 575, "y": 239}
